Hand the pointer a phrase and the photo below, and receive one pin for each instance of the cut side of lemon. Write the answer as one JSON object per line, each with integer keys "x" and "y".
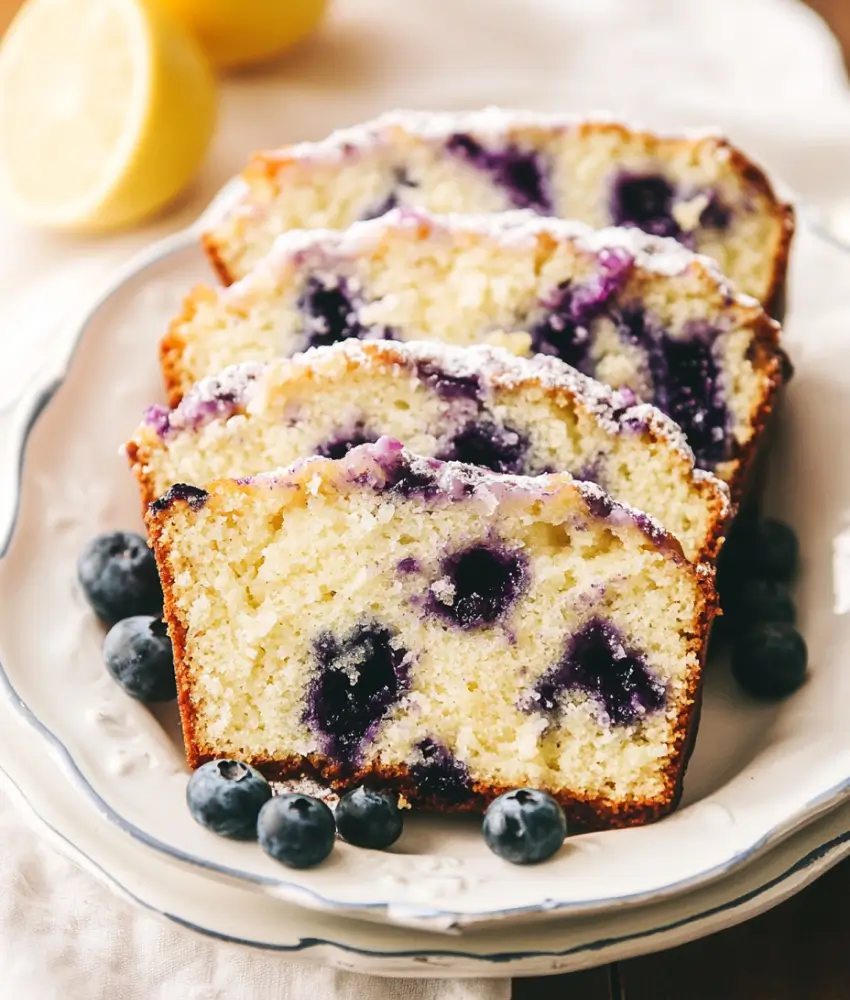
{"x": 106, "y": 110}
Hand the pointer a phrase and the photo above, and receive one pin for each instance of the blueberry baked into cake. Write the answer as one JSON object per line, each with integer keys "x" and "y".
{"x": 696, "y": 188}
{"x": 435, "y": 628}
{"x": 629, "y": 309}
{"x": 479, "y": 405}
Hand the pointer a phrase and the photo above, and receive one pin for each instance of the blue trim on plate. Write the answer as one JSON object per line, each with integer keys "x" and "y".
{"x": 155, "y": 255}
{"x": 304, "y": 944}
{"x": 42, "y": 399}
{"x": 511, "y": 956}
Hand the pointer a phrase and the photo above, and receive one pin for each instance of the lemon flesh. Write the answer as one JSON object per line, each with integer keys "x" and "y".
{"x": 106, "y": 110}
{"x": 243, "y": 32}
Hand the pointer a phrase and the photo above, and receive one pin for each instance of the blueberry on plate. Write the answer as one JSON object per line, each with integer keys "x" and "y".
{"x": 117, "y": 572}
{"x": 763, "y": 601}
{"x": 772, "y": 550}
{"x": 297, "y": 830}
{"x": 525, "y": 826}
{"x": 226, "y": 797}
{"x": 770, "y": 659}
{"x": 138, "y": 654}
{"x": 367, "y": 818}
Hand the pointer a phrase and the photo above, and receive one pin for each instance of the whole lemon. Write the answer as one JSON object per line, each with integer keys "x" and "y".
{"x": 243, "y": 32}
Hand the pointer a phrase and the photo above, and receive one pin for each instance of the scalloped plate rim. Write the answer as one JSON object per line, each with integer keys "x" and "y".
{"x": 742, "y": 905}
{"x": 24, "y": 416}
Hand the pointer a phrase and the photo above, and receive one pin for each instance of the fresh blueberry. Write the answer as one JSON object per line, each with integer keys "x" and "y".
{"x": 525, "y": 826}
{"x": 731, "y": 564}
{"x": 368, "y": 818}
{"x": 138, "y": 654}
{"x": 763, "y": 601}
{"x": 226, "y": 797}
{"x": 296, "y": 830}
{"x": 729, "y": 579}
{"x": 118, "y": 575}
{"x": 773, "y": 550}
{"x": 770, "y": 659}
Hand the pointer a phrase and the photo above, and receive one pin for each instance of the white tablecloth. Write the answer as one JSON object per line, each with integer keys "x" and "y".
{"x": 766, "y": 70}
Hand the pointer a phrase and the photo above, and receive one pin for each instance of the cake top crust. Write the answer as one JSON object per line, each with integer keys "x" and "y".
{"x": 481, "y": 366}
{"x": 489, "y": 122}
{"x": 626, "y": 245}
{"x": 387, "y": 468}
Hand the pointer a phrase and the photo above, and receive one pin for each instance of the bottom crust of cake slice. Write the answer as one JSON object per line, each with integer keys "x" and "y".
{"x": 436, "y": 629}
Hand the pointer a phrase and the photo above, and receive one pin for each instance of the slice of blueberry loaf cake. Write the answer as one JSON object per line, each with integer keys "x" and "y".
{"x": 435, "y": 628}
{"x": 479, "y": 405}
{"x": 629, "y": 309}
{"x": 696, "y": 188}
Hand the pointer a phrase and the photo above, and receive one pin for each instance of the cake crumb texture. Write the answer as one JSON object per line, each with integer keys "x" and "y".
{"x": 438, "y": 629}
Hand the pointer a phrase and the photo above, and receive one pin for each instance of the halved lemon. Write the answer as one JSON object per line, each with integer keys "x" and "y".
{"x": 106, "y": 110}
{"x": 243, "y": 32}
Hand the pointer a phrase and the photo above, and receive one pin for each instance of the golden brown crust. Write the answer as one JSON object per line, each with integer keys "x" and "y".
{"x": 785, "y": 216}
{"x": 585, "y": 813}
{"x": 688, "y": 722}
{"x": 770, "y": 359}
{"x": 173, "y": 344}
{"x": 213, "y": 252}
{"x": 137, "y": 457}
{"x": 177, "y": 633}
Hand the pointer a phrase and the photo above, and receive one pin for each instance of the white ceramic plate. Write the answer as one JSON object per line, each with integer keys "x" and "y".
{"x": 234, "y": 914}
{"x": 757, "y": 775}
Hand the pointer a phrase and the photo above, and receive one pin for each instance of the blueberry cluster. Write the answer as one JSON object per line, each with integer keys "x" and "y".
{"x": 235, "y": 800}
{"x": 118, "y": 575}
{"x": 759, "y": 562}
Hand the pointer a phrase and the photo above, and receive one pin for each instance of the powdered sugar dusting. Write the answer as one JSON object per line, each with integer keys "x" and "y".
{"x": 520, "y": 228}
{"x": 214, "y": 398}
{"x": 615, "y": 410}
{"x": 601, "y": 505}
{"x": 382, "y": 465}
{"x": 491, "y": 124}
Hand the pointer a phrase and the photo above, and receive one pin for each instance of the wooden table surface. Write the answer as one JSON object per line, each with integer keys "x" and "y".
{"x": 798, "y": 951}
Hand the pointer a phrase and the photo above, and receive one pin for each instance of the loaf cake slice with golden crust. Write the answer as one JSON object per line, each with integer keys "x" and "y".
{"x": 438, "y": 629}
{"x": 628, "y": 309}
{"x": 694, "y": 187}
{"x": 480, "y": 405}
